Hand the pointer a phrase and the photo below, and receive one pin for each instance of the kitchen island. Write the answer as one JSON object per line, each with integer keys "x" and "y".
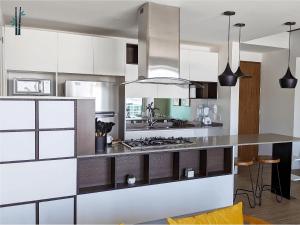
{"x": 161, "y": 181}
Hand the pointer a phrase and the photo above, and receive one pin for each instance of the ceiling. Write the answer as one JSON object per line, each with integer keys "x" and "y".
{"x": 201, "y": 20}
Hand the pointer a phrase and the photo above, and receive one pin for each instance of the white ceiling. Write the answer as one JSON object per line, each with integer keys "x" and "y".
{"x": 201, "y": 20}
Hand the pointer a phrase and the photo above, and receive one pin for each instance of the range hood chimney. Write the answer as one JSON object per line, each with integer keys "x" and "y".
{"x": 159, "y": 45}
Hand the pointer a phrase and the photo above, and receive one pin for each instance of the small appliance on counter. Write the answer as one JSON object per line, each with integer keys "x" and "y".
{"x": 189, "y": 173}
{"x": 24, "y": 86}
{"x": 207, "y": 114}
{"x": 206, "y": 120}
{"x": 130, "y": 179}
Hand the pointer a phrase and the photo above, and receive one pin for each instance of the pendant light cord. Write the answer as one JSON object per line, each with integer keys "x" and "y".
{"x": 240, "y": 46}
{"x": 290, "y": 46}
{"x": 228, "y": 38}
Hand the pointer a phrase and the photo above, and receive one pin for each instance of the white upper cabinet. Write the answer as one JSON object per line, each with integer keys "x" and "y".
{"x": 203, "y": 66}
{"x": 33, "y": 50}
{"x": 172, "y": 91}
{"x": 75, "y": 53}
{"x": 109, "y": 56}
{"x": 137, "y": 90}
{"x": 184, "y": 64}
{"x": 131, "y": 72}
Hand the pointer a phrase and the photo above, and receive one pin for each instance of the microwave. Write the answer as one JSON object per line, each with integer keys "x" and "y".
{"x": 31, "y": 86}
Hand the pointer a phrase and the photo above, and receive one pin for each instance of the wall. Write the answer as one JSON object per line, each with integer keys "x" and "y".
{"x": 276, "y": 104}
{"x": 1, "y": 51}
{"x": 296, "y": 145}
{"x": 180, "y": 112}
{"x": 280, "y": 108}
{"x": 251, "y": 56}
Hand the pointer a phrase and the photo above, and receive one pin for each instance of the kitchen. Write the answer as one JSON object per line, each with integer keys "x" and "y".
{"x": 163, "y": 121}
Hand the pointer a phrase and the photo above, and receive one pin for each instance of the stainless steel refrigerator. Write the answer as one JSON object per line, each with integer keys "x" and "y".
{"x": 106, "y": 99}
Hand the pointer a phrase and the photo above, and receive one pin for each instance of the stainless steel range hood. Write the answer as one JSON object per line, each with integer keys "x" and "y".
{"x": 159, "y": 45}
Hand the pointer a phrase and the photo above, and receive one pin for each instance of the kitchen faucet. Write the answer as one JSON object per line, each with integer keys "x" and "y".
{"x": 151, "y": 114}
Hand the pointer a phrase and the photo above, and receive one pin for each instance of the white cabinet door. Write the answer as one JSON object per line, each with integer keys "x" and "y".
{"x": 29, "y": 181}
{"x": 16, "y": 115}
{"x": 184, "y": 64}
{"x": 18, "y": 214}
{"x": 109, "y": 56}
{"x": 57, "y": 212}
{"x": 33, "y": 50}
{"x": 56, "y": 114}
{"x": 131, "y": 72}
{"x": 17, "y": 146}
{"x": 75, "y": 53}
{"x": 136, "y": 90}
{"x": 203, "y": 66}
{"x": 56, "y": 144}
{"x": 172, "y": 91}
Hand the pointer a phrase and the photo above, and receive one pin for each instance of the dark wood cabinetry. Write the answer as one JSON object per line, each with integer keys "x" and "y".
{"x": 97, "y": 174}
{"x": 204, "y": 90}
{"x": 131, "y": 54}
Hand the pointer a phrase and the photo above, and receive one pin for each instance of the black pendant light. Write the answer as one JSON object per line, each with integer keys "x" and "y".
{"x": 288, "y": 80}
{"x": 239, "y": 73}
{"x": 228, "y": 78}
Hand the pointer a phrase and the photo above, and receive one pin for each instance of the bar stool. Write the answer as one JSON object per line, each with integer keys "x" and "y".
{"x": 241, "y": 191}
{"x": 260, "y": 186}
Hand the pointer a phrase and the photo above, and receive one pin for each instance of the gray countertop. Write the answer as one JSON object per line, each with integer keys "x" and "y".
{"x": 201, "y": 143}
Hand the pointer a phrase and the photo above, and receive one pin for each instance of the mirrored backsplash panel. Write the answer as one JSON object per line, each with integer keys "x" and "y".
{"x": 151, "y": 113}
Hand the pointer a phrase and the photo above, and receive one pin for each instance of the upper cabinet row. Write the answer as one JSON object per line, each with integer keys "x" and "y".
{"x": 48, "y": 51}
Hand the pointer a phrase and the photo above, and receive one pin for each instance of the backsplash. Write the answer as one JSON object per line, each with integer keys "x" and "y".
{"x": 168, "y": 108}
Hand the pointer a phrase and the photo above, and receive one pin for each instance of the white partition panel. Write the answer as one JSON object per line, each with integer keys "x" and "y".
{"x": 141, "y": 204}
{"x": 22, "y": 182}
{"x": 57, "y": 212}
{"x": 17, "y": 146}
{"x": 56, "y": 144}
{"x": 16, "y": 115}
{"x": 56, "y": 114}
{"x": 18, "y": 214}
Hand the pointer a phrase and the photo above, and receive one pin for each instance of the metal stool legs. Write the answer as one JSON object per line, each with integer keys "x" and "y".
{"x": 241, "y": 191}
{"x": 260, "y": 186}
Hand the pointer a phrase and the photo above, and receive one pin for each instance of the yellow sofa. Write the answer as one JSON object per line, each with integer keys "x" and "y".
{"x": 229, "y": 215}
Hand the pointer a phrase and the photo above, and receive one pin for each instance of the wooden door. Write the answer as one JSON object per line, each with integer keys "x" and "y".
{"x": 249, "y": 102}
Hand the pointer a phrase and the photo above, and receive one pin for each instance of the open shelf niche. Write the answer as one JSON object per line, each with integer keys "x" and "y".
{"x": 96, "y": 174}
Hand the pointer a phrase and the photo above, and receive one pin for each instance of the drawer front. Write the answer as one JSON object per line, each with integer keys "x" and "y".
{"x": 17, "y": 146}
{"x": 19, "y": 214}
{"x": 57, "y": 212}
{"x": 56, "y": 144}
{"x": 22, "y": 182}
{"x": 11, "y": 117}
{"x": 56, "y": 114}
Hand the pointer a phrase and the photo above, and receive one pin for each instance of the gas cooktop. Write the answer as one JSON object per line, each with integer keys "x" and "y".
{"x": 155, "y": 142}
